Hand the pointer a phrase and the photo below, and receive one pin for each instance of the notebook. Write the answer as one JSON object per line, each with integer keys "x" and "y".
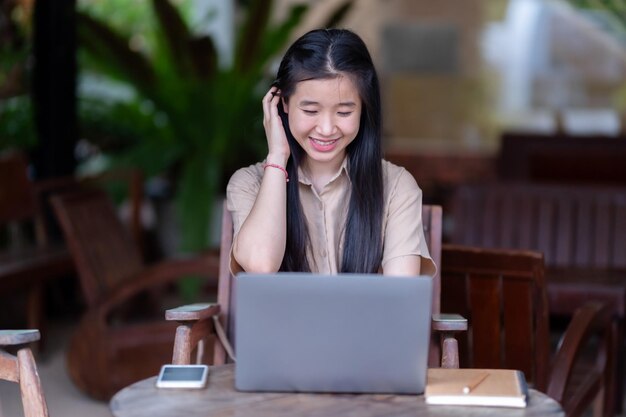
{"x": 356, "y": 333}
{"x": 487, "y": 387}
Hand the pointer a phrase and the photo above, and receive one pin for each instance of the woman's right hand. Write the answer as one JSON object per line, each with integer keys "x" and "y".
{"x": 278, "y": 147}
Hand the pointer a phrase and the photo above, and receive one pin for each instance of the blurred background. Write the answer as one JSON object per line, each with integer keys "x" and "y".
{"x": 172, "y": 89}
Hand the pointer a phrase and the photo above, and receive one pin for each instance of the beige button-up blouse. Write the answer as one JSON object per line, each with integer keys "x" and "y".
{"x": 326, "y": 215}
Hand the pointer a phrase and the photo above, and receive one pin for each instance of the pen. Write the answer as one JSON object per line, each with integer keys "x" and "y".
{"x": 475, "y": 382}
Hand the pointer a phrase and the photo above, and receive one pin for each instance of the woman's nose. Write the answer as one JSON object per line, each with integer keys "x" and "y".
{"x": 326, "y": 125}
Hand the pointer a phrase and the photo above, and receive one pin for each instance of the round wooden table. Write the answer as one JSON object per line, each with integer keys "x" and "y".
{"x": 220, "y": 398}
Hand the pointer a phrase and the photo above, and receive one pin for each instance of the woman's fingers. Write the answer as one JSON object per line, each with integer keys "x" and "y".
{"x": 274, "y": 130}
{"x": 266, "y": 102}
{"x": 270, "y": 105}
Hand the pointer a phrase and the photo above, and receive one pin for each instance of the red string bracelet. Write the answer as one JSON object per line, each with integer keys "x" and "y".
{"x": 278, "y": 167}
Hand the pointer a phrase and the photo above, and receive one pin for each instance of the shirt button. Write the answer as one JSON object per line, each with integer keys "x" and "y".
{"x": 323, "y": 254}
{"x": 320, "y": 205}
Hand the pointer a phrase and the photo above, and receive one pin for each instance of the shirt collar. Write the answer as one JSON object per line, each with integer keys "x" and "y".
{"x": 303, "y": 178}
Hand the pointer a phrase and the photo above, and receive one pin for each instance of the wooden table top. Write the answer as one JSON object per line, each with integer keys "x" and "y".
{"x": 143, "y": 399}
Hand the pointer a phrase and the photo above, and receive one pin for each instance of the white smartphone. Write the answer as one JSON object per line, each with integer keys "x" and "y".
{"x": 183, "y": 376}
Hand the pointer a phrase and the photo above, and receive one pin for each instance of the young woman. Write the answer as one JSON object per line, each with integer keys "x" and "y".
{"x": 324, "y": 200}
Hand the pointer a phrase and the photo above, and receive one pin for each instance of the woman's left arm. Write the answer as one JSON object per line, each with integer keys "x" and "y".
{"x": 403, "y": 266}
{"x": 404, "y": 249}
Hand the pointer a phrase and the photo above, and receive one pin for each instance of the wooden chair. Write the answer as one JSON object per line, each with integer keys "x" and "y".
{"x": 197, "y": 322}
{"x": 581, "y": 231}
{"x": 109, "y": 350}
{"x": 503, "y": 295}
{"x": 30, "y": 258}
{"x": 21, "y": 368}
{"x": 33, "y": 256}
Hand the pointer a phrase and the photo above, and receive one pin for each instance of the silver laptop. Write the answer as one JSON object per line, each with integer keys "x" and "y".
{"x": 358, "y": 333}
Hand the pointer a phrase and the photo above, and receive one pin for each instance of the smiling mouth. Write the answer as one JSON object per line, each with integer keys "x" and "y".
{"x": 323, "y": 142}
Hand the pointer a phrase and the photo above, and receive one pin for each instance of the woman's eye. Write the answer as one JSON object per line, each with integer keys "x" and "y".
{"x": 344, "y": 113}
{"x": 310, "y": 112}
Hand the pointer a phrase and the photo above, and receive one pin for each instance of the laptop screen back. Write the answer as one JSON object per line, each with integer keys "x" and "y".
{"x": 301, "y": 332}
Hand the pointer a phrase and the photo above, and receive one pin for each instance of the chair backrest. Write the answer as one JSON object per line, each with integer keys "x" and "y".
{"x": 573, "y": 226}
{"x": 23, "y": 200}
{"x": 432, "y": 222}
{"x": 19, "y": 209}
{"x": 103, "y": 251}
{"x": 502, "y": 294}
{"x": 17, "y": 196}
{"x": 21, "y": 369}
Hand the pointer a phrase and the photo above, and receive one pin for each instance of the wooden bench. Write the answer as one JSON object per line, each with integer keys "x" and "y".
{"x": 562, "y": 158}
{"x": 581, "y": 230}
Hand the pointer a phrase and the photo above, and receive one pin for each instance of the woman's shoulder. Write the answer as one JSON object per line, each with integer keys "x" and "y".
{"x": 250, "y": 174}
{"x": 395, "y": 176}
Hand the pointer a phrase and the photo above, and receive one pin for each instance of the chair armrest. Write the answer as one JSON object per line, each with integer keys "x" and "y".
{"x": 447, "y": 325}
{"x": 192, "y": 312}
{"x": 206, "y": 264}
{"x": 196, "y": 324}
{"x": 10, "y": 368}
{"x": 591, "y": 319}
{"x": 18, "y": 337}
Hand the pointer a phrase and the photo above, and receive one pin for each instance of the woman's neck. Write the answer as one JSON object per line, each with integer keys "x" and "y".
{"x": 320, "y": 173}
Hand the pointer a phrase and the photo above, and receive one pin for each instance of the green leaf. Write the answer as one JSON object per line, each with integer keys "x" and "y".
{"x": 111, "y": 50}
{"x": 17, "y": 123}
{"x": 201, "y": 121}
{"x": 277, "y": 37}
{"x": 176, "y": 36}
{"x": 203, "y": 56}
{"x": 339, "y": 14}
{"x": 194, "y": 199}
{"x": 251, "y": 34}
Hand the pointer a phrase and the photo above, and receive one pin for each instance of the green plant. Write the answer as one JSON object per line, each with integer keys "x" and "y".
{"x": 616, "y": 24}
{"x": 615, "y": 8}
{"x": 188, "y": 117}
{"x": 16, "y": 113}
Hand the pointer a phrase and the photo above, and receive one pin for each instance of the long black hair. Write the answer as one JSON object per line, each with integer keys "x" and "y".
{"x": 326, "y": 54}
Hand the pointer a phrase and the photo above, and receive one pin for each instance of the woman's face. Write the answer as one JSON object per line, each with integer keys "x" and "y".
{"x": 324, "y": 117}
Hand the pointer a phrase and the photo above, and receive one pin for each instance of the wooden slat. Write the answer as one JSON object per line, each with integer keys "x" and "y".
{"x": 619, "y": 246}
{"x": 563, "y": 251}
{"x": 525, "y": 218}
{"x": 432, "y": 224}
{"x": 491, "y": 215}
{"x": 454, "y": 300}
{"x": 584, "y": 234}
{"x": 471, "y": 220}
{"x": 485, "y": 305}
{"x": 461, "y": 209}
{"x": 457, "y": 216}
{"x": 545, "y": 227}
{"x": 225, "y": 287}
{"x": 603, "y": 231}
{"x": 507, "y": 233}
{"x": 518, "y": 314}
